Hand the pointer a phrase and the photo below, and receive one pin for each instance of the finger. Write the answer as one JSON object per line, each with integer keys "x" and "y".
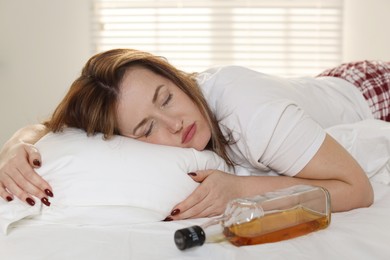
{"x": 196, "y": 205}
{"x": 197, "y": 196}
{"x": 20, "y": 179}
{"x": 39, "y": 185}
{"x": 17, "y": 191}
{"x": 200, "y": 210}
{"x": 34, "y": 183}
{"x": 24, "y": 196}
{"x": 194, "y": 198}
{"x": 207, "y": 207}
{"x": 24, "y": 191}
{"x": 5, "y": 194}
{"x": 34, "y": 157}
{"x": 200, "y": 176}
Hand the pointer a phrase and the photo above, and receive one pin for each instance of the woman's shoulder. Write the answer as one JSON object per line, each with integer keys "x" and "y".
{"x": 225, "y": 76}
{"x": 226, "y": 70}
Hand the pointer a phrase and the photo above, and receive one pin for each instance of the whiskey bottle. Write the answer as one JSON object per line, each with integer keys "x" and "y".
{"x": 271, "y": 217}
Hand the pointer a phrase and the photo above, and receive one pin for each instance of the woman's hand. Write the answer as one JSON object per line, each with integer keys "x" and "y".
{"x": 18, "y": 159}
{"x": 217, "y": 188}
{"x": 17, "y": 175}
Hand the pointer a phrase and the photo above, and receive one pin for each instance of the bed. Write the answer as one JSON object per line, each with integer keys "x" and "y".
{"x": 87, "y": 228}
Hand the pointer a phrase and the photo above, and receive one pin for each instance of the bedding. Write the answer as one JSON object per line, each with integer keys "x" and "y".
{"x": 357, "y": 234}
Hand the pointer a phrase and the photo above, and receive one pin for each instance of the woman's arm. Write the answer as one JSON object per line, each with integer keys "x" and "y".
{"x": 18, "y": 158}
{"x": 336, "y": 170}
{"x": 332, "y": 167}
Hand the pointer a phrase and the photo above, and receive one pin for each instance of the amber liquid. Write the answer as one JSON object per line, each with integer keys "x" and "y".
{"x": 276, "y": 226}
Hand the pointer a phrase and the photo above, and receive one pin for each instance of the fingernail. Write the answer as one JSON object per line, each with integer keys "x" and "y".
{"x": 9, "y": 198}
{"x": 45, "y": 201}
{"x": 175, "y": 212}
{"x": 168, "y": 219}
{"x": 49, "y": 193}
{"x": 192, "y": 174}
{"x": 36, "y": 162}
{"x": 30, "y": 201}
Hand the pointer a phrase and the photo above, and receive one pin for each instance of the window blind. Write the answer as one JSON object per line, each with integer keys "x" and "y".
{"x": 281, "y": 37}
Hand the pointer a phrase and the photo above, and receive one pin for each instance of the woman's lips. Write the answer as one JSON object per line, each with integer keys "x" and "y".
{"x": 188, "y": 133}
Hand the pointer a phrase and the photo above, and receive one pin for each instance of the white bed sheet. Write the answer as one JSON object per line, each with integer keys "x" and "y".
{"x": 358, "y": 234}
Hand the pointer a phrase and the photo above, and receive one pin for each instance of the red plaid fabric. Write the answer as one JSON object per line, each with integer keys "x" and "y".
{"x": 372, "y": 78}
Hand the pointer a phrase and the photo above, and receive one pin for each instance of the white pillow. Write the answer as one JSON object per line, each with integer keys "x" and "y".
{"x": 110, "y": 182}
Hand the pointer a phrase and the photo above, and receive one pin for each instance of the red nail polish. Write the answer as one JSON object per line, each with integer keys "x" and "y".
{"x": 45, "y": 201}
{"x": 168, "y": 219}
{"x": 30, "y": 201}
{"x": 175, "y": 212}
{"x": 49, "y": 193}
{"x": 36, "y": 162}
{"x": 192, "y": 174}
{"x": 9, "y": 198}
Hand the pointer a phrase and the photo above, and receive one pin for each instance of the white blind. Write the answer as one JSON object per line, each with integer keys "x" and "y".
{"x": 282, "y": 37}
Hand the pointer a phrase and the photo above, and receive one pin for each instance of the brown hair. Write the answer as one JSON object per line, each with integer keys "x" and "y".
{"x": 91, "y": 102}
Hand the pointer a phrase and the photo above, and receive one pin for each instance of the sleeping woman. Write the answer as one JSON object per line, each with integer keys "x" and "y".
{"x": 272, "y": 126}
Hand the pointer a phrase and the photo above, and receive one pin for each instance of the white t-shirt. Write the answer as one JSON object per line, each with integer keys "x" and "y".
{"x": 278, "y": 123}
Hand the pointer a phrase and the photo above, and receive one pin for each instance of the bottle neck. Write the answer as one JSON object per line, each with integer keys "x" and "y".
{"x": 213, "y": 229}
{"x": 213, "y": 221}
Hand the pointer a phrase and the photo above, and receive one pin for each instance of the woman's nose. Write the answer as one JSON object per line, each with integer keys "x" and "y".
{"x": 174, "y": 125}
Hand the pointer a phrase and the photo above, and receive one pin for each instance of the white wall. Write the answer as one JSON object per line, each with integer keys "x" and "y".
{"x": 44, "y": 44}
{"x": 366, "y": 30}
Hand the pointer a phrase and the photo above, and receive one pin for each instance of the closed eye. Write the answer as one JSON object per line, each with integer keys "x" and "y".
{"x": 149, "y": 131}
{"x": 166, "y": 102}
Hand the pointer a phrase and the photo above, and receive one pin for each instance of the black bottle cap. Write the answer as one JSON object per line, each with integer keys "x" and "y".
{"x": 189, "y": 237}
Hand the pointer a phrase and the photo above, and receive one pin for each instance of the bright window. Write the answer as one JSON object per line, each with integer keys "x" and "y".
{"x": 282, "y": 37}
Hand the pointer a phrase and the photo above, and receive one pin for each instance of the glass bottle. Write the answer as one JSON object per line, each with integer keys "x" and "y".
{"x": 271, "y": 217}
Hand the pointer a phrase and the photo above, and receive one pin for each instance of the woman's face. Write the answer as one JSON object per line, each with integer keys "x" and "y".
{"x": 153, "y": 109}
